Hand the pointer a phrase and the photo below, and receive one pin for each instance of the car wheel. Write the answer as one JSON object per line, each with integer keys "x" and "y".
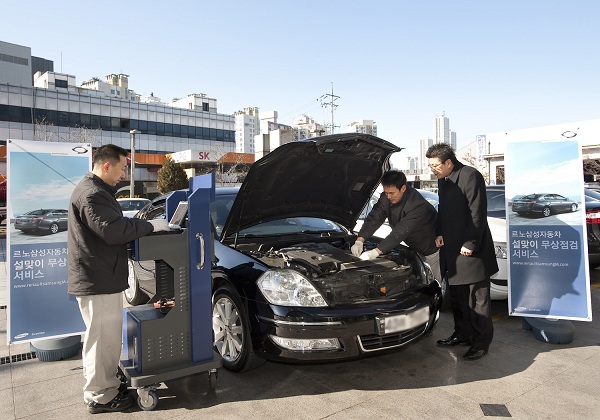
{"x": 54, "y": 228}
{"x": 546, "y": 211}
{"x": 232, "y": 332}
{"x": 573, "y": 207}
{"x": 134, "y": 295}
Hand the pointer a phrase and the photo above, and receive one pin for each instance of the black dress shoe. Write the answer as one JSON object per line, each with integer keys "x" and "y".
{"x": 453, "y": 341}
{"x": 119, "y": 403}
{"x": 474, "y": 353}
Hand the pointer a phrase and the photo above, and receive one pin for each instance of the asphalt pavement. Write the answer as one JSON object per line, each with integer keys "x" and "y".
{"x": 521, "y": 378}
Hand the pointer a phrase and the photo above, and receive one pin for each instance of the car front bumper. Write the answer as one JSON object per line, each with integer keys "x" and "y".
{"x": 356, "y": 330}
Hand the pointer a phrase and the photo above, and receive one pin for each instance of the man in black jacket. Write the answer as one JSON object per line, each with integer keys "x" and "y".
{"x": 97, "y": 265}
{"x": 411, "y": 217}
{"x": 467, "y": 249}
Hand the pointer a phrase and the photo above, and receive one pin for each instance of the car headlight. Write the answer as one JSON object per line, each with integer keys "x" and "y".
{"x": 289, "y": 288}
{"x": 500, "y": 249}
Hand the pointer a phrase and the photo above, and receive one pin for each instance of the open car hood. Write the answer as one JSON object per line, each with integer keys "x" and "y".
{"x": 329, "y": 177}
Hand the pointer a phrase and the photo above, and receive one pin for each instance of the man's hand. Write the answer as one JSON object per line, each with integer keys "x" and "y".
{"x": 369, "y": 255}
{"x": 159, "y": 225}
{"x": 357, "y": 248}
{"x": 439, "y": 241}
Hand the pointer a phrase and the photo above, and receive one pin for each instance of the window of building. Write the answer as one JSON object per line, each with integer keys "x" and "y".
{"x": 61, "y": 83}
{"x": 205, "y": 107}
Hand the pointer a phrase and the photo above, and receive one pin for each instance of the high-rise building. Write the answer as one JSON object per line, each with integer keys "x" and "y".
{"x": 424, "y": 144}
{"x": 272, "y": 134}
{"x": 453, "y": 139}
{"x": 412, "y": 166}
{"x": 247, "y": 125}
{"x": 364, "y": 127}
{"x": 441, "y": 129}
{"x": 306, "y": 128}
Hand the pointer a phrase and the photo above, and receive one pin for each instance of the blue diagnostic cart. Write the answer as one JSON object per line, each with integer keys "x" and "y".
{"x": 169, "y": 342}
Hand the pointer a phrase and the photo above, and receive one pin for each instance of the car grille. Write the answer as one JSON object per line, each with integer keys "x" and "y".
{"x": 374, "y": 342}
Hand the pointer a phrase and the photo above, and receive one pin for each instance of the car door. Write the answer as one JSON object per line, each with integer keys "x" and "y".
{"x": 561, "y": 203}
{"x": 61, "y": 218}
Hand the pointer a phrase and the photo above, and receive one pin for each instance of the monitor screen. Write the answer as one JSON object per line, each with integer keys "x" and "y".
{"x": 179, "y": 215}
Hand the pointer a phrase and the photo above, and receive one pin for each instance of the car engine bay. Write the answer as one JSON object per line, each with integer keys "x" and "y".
{"x": 343, "y": 278}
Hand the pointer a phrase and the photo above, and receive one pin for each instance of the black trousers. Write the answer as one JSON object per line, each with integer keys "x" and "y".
{"x": 470, "y": 304}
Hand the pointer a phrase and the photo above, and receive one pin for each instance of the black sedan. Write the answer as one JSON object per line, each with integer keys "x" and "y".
{"x": 543, "y": 204}
{"x": 285, "y": 283}
{"x": 43, "y": 220}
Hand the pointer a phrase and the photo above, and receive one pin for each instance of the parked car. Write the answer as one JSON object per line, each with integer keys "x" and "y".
{"x": 543, "y": 204}
{"x": 43, "y": 220}
{"x": 130, "y": 206}
{"x": 285, "y": 283}
{"x": 495, "y": 198}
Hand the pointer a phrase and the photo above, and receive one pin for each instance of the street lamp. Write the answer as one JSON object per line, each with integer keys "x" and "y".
{"x": 131, "y": 185}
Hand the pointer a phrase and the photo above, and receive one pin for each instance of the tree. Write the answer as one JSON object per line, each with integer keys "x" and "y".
{"x": 46, "y": 131}
{"x": 591, "y": 168}
{"x": 171, "y": 177}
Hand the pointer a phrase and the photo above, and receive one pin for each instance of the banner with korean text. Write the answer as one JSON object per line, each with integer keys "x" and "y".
{"x": 546, "y": 230}
{"x": 41, "y": 178}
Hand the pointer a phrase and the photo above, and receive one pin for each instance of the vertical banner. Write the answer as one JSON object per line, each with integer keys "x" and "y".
{"x": 41, "y": 178}
{"x": 547, "y": 236}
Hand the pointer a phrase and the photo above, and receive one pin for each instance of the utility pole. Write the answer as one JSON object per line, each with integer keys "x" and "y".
{"x": 331, "y": 97}
{"x": 131, "y": 182}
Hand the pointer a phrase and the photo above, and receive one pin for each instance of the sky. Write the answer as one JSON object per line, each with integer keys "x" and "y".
{"x": 490, "y": 66}
{"x": 556, "y": 168}
{"x": 36, "y": 183}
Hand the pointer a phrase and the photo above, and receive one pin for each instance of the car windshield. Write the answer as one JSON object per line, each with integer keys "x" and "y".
{"x": 37, "y": 212}
{"x": 430, "y": 196}
{"x": 132, "y": 204}
{"x": 219, "y": 210}
{"x": 593, "y": 194}
{"x": 495, "y": 200}
{"x": 530, "y": 197}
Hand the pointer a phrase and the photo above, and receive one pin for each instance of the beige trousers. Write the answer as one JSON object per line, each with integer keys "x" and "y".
{"x": 102, "y": 315}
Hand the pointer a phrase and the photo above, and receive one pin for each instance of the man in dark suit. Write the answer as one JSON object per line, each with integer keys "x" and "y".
{"x": 467, "y": 254}
{"x": 412, "y": 218}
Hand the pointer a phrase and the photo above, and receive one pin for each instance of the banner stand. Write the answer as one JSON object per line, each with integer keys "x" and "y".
{"x": 553, "y": 331}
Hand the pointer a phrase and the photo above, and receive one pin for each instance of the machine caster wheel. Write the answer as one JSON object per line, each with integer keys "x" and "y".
{"x": 149, "y": 401}
{"x": 212, "y": 378}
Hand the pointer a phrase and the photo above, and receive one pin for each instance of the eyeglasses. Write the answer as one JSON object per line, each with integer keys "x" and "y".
{"x": 435, "y": 165}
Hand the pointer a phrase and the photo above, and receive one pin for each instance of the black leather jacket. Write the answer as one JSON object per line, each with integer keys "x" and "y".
{"x": 97, "y": 239}
{"x": 412, "y": 219}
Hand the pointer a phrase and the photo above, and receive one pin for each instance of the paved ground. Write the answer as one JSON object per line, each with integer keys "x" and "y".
{"x": 521, "y": 378}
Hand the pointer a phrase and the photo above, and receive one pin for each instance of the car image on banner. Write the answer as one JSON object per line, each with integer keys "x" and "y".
{"x": 42, "y": 220}
{"x": 285, "y": 283}
{"x": 543, "y": 204}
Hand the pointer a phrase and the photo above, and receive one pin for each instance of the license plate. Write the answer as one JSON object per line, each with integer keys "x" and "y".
{"x": 395, "y": 323}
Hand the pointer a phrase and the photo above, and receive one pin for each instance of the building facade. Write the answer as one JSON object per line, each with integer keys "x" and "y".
{"x": 306, "y": 128}
{"x": 364, "y": 127}
{"x": 247, "y": 126}
{"x": 15, "y": 64}
{"x": 55, "y": 109}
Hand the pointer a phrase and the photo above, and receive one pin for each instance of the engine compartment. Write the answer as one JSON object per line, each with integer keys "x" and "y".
{"x": 343, "y": 278}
